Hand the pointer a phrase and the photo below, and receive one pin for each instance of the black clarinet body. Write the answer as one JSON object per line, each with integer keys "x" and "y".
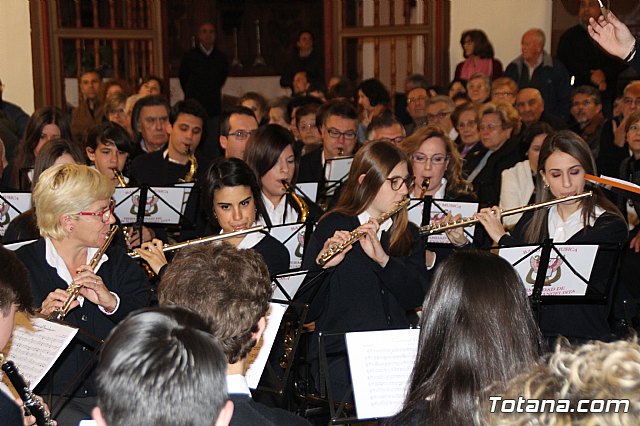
{"x": 31, "y": 404}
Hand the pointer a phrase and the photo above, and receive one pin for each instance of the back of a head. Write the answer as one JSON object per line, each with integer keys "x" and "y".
{"x": 14, "y": 284}
{"x": 229, "y": 287}
{"x": 476, "y": 328}
{"x": 161, "y": 367}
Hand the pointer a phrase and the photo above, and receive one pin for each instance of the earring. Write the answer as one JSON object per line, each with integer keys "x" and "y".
{"x": 546, "y": 186}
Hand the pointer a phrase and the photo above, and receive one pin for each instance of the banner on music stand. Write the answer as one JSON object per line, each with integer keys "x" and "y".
{"x": 163, "y": 206}
{"x": 465, "y": 209}
{"x": 292, "y": 236}
{"x": 12, "y": 204}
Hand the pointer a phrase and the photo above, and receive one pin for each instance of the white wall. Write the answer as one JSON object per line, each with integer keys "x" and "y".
{"x": 16, "y": 69}
{"x": 504, "y": 22}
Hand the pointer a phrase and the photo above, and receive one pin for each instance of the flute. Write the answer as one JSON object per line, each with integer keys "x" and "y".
{"x": 468, "y": 221}
{"x": 355, "y": 235}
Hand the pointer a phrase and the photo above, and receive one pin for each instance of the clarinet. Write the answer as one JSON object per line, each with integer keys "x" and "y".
{"x": 32, "y": 407}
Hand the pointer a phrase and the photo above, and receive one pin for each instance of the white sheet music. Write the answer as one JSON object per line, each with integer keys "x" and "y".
{"x": 310, "y": 189}
{"x": 36, "y": 345}
{"x": 338, "y": 168}
{"x": 16, "y": 246}
{"x": 257, "y": 358}
{"x": 559, "y": 280}
{"x": 465, "y": 209}
{"x": 290, "y": 282}
{"x": 292, "y": 236}
{"x": 381, "y": 364}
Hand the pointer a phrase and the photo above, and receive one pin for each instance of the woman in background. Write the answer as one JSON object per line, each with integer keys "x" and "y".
{"x": 478, "y": 53}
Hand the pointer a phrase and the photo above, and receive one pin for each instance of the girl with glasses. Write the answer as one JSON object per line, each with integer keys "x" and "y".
{"x": 373, "y": 283}
{"x": 74, "y": 215}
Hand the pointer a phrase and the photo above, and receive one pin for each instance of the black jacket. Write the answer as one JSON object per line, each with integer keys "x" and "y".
{"x": 202, "y": 77}
{"x": 247, "y": 412}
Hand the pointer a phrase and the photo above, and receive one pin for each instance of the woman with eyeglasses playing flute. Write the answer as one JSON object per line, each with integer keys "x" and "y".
{"x": 372, "y": 284}
{"x": 75, "y": 214}
{"x": 563, "y": 162}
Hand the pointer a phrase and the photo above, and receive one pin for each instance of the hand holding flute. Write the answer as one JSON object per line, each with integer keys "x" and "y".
{"x": 365, "y": 234}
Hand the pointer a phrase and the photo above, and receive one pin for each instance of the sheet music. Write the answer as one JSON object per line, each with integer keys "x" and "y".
{"x": 157, "y": 209}
{"x": 381, "y": 363}
{"x": 20, "y": 200}
{"x": 290, "y": 282}
{"x": 36, "y": 344}
{"x": 338, "y": 168}
{"x": 292, "y": 236}
{"x": 465, "y": 209}
{"x": 310, "y": 189}
{"x": 560, "y": 280}
{"x": 257, "y": 358}
{"x": 16, "y": 246}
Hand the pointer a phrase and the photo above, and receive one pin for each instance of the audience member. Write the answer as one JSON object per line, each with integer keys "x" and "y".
{"x": 478, "y": 53}
{"x": 417, "y": 108}
{"x": 256, "y": 103}
{"x": 115, "y": 111}
{"x": 439, "y": 109}
{"x": 151, "y": 85}
{"x": 204, "y": 70}
{"x": 14, "y": 113}
{"x": 88, "y": 113}
{"x": 504, "y": 89}
{"x": 465, "y": 119}
{"x": 586, "y": 110}
{"x": 150, "y": 124}
{"x": 386, "y": 128}
{"x": 531, "y": 107}
{"x": 305, "y": 118}
{"x": 278, "y": 112}
{"x": 304, "y": 58}
{"x": 373, "y": 100}
{"x": 536, "y": 68}
{"x": 479, "y": 88}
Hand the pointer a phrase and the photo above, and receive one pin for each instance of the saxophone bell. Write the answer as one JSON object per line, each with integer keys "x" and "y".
{"x": 300, "y": 201}
{"x": 425, "y": 186}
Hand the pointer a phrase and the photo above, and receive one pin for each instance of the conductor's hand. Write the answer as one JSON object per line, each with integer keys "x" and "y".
{"x": 490, "y": 218}
{"x": 55, "y": 300}
{"x": 612, "y": 35}
{"x": 94, "y": 289}
{"x": 338, "y": 238}
{"x": 371, "y": 244}
{"x": 152, "y": 253}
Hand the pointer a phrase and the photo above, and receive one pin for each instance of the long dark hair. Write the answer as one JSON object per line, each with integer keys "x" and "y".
{"x": 25, "y": 155}
{"x": 570, "y": 143}
{"x": 53, "y": 150}
{"x": 225, "y": 172}
{"x": 375, "y": 161}
{"x": 476, "y": 329}
{"x": 481, "y": 45}
{"x": 264, "y": 148}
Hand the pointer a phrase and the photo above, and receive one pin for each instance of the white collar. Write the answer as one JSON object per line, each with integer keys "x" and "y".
{"x": 55, "y": 261}
{"x": 250, "y": 240}
{"x": 282, "y": 213}
{"x": 439, "y": 195}
{"x": 206, "y": 51}
{"x": 364, "y": 218}
{"x": 237, "y": 384}
{"x": 562, "y": 230}
{"x": 165, "y": 155}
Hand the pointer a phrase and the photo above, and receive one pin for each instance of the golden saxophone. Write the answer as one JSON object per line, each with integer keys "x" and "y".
{"x": 74, "y": 289}
{"x": 468, "y": 221}
{"x": 355, "y": 235}
{"x": 302, "y": 204}
{"x": 193, "y": 167}
{"x": 120, "y": 178}
{"x": 424, "y": 186}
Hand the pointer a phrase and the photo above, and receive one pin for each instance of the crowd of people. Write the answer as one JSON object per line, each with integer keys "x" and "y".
{"x": 176, "y": 345}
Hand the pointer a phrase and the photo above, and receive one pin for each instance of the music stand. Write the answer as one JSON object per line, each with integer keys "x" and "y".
{"x": 429, "y": 204}
{"x": 288, "y": 235}
{"x": 18, "y": 204}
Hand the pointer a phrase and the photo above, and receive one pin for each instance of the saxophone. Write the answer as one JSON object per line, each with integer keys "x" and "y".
{"x": 193, "y": 167}
{"x": 74, "y": 289}
{"x": 32, "y": 406}
{"x": 302, "y": 204}
{"x": 118, "y": 175}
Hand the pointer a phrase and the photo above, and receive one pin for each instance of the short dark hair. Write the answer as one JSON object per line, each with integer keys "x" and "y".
{"x": 588, "y": 90}
{"x": 341, "y": 90}
{"x": 375, "y": 91}
{"x": 300, "y": 101}
{"x": 530, "y": 132}
{"x": 225, "y": 172}
{"x": 240, "y": 110}
{"x": 229, "y": 287}
{"x": 146, "y": 101}
{"x": 338, "y": 108}
{"x": 417, "y": 81}
{"x": 160, "y": 364}
{"x": 387, "y": 119}
{"x": 109, "y": 133}
{"x": 152, "y": 78}
{"x": 14, "y": 283}
{"x": 257, "y": 98}
{"x": 282, "y": 103}
{"x": 264, "y": 148}
{"x": 311, "y": 108}
{"x": 188, "y": 106}
{"x": 457, "y": 112}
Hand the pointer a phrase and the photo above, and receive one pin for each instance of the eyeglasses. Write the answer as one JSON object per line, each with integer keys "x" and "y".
{"x": 104, "y": 215}
{"x": 335, "y": 133}
{"x": 436, "y": 160}
{"x": 584, "y": 103}
{"x": 501, "y": 94}
{"x": 490, "y": 127}
{"x": 438, "y": 115}
{"x": 631, "y": 101}
{"x": 306, "y": 126}
{"x": 471, "y": 124}
{"x": 241, "y": 134}
{"x": 397, "y": 181}
{"x": 416, "y": 99}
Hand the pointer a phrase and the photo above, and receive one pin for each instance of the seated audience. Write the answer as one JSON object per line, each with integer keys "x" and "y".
{"x": 439, "y": 109}
{"x": 586, "y": 110}
{"x": 504, "y": 89}
{"x": 531, "y": 108}
{"x": 479, "y": 88}
{"x": 476, "y": 329}
{"x": 478, "y": 53}
{"x": 88, "y": 113}
{"x": 256, "y": 103}
{"x": 385, "y": 127}
{"x": 162, "y": 367}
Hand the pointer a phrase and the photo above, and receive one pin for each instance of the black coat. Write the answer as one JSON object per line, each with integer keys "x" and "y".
{"x": 120, "y": 274}
{"x": 487, "y": 183}
{"x": 202, "y": 77}
{"x": 247, "y": 412}
{"x": 580, "y": 321}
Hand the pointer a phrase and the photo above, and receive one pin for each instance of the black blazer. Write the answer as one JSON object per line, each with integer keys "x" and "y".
{"x": 311, "y": 168}
{"x": 247, "y": 412}
{"x": 120, "y": 274}
{"x": 580, "y": 321}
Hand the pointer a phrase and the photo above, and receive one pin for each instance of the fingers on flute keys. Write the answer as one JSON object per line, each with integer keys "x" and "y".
{"x": 333, "y": 244}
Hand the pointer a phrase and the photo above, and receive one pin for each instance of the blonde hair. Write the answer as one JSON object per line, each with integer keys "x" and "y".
{"x": 509, "y": 116}
{"x": 66, "y": 189}
{"x": 593, "y": 371}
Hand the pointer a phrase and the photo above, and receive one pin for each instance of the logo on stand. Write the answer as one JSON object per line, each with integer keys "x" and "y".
{"x": 4, "y": 214}
{"x": 553, "y": 270}
{"x": 150, "y": 208}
